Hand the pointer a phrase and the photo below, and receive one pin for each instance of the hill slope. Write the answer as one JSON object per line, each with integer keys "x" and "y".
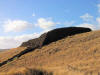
{"x": 73, "y": 55}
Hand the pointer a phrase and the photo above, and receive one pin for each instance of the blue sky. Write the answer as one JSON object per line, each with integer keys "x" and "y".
{"x": 21, "y": 20}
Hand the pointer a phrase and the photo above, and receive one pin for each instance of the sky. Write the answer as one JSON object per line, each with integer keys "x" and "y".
{"x": 21, "y": 20}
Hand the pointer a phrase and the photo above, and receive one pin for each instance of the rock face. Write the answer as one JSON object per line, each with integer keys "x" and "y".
{"x": 35, "y": 43}
{"x": 53, "y": 36}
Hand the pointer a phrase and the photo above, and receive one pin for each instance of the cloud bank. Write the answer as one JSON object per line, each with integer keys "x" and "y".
{"x": 86, "y": 17}
{"x": 13, "y": 42}
{"x": 16, "y": 25}
{"x": 45, "y": 23}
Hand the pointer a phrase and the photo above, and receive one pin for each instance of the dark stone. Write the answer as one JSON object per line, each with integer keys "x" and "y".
{"x": 54, "y": 35}
{"x": 35, "y": 43}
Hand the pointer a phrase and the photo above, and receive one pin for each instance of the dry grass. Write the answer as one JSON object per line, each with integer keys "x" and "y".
{"x": 4, "y": 55}
{"x": 26, "y": 71}
{"x": 81, "y": 52}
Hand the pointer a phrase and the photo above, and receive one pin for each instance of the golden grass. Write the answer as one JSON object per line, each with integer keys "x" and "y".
{"x": 81, "y": 52}
{"x": 4, "y": 55}
{"x": 26, "y": 71}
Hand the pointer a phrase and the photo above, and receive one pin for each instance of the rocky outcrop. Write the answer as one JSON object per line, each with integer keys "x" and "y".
{"x": 34, "y": 43}
{"x": 53, "y": 36}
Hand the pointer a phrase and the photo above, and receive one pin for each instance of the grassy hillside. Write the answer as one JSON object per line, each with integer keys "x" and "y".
{"x": 3, "y": 49}
{"x": 26, "y": 71}
{"x": 4, "y": 55}
{"x": 73, "y": 55}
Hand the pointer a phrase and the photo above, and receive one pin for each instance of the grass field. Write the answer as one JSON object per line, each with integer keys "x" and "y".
{"x": 73, "y": 55}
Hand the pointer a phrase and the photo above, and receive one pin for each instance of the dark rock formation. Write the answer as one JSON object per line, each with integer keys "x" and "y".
{"x": 35, "y": 42}
{"x": 54, "y": 35}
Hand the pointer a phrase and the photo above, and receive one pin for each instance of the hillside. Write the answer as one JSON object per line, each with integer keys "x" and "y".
{"x": 3, "y": 49}
{"x": 73, "y": 55}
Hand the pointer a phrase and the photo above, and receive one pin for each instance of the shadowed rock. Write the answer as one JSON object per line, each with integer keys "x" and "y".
{"x": 35, "y": 43}
{"x": 54, "y": 35}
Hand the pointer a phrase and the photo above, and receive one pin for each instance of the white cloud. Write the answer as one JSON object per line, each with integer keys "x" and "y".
{"x": 45, "y": 23}
{"x": 98, "y": 20}
{"x": 87, "y": 17}
{"x": 89, "y": 21}
{"x": 13, "y": 42}
{"x": 16, "y": 25}
{"x": 33, "y": 14}
{"x": 69, "y": 23}
{"x": 94, "y": 25}
{"x": 98, "y": 5}
{"x": 87, "y": 25}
